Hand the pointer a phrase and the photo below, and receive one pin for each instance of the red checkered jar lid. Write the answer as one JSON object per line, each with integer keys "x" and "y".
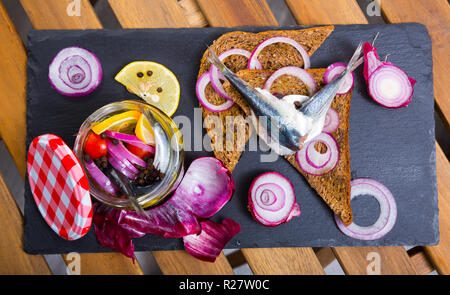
{"x": 59, "y": 186}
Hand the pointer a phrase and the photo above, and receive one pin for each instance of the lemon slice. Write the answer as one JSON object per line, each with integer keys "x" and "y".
{"x": 118, "y": 122}
{"x": 152, "y": 82}
{"x": 144, "y": 131}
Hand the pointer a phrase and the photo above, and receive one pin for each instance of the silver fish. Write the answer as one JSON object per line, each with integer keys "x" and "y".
{"x": 162, "y": 148}
{"x": 278, "y": 122}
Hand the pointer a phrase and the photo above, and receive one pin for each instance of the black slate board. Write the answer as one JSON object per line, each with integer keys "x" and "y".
{"x": 396, "y": 147}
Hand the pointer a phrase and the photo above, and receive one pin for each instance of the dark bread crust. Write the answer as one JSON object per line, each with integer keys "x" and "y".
{"x": 273, "y": 57}
{"x": 333, "y": 187}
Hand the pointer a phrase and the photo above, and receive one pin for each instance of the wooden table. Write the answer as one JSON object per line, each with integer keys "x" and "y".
{"x": 52, "y": 14}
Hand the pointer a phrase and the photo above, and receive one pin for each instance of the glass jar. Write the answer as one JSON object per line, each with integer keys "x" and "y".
{"x": 157, "y": 193}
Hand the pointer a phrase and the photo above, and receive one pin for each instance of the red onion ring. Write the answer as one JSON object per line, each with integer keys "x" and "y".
{"x": 315, "y": 163}
{"x": 253, "y": 62}
{"x": 333, "y": 71}
{"x": 75, "y": 72}
{"x": 202, "y": 82}
{"x": 216, "y": 76}
{"x": 121, "y": 167}
{"x": 331, "y": 121}
{"x": 388, "y": 211}
{"x": 100, "y": 178}
{"x": 272, "y": 199}
{"x": 300, "y": 73}
{"x": 391, "y": 87}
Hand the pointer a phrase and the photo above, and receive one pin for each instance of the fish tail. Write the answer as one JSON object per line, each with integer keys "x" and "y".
{"x": 218, "y": 63}
{"x": 244, "y": 88}
{"x": 356, "y": 60}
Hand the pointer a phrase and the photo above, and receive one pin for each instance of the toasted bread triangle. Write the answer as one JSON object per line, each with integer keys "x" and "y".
{"x": 333, "y": 187}
{"x": 272, "y": 58}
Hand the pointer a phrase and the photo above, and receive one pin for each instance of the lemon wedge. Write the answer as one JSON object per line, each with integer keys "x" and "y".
{"x": 152, "y": 82}
{"x": 144, "y": 131}
{"x": 118, "y": 122}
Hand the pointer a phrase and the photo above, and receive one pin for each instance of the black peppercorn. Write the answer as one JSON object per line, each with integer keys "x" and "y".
{"x": 140, "y": 74}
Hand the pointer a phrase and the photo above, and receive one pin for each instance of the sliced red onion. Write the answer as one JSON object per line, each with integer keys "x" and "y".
{"x": 206, "y": 187}
{"x": 130, "y": 139}
{"x": 200, "y": 90}
{"x": 333, "y": 71}
{"x": 387, "y": 84}
{"x": 272, "y": 199}
{"x": 100, "y": 178}
{"x": 75, "y": 72}
{"x": 300, "y": 73}
{"x": 315, "y": 163}
{"x": 371, "y": 60}
{"x": 331, "y": 121}
{"x": 119, "y": 154}
{"x": 121, "y": 167}
{"x": 110, "y": 233}
{"x": 388, "y": 211}
{"x": 216, "y": 76}
{"x": 391, "y": 87}
{"x": 253, "y": 62}
{"x": 119, "y": 151}
{"x": 206, "y": 200}
{"x": 208, "y": 245}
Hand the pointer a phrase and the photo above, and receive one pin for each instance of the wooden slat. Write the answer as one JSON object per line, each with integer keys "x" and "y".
{"x": 283, "y": 261}
{"x": 51, "y": 14}
{"x": 420, "y": 261}
{"x": 192, "y": 12}
{"x": 436, "y": 16}
{"x": 440, "y": 254}
{"x": 353, "y": 260}
{"x": 393, "y": 260}
{"x": 170, "y": 262}
{"x": 224, "y": 13}
{"x": 180, "y": 262}
{"x": 12, "y": 95}
{"x": 270, "y": 260}
{"x": 13, "y": 260}
{"x": 148, "y": 13}
{"x": 325, "y": 256}
{"x": 336, "y": 12}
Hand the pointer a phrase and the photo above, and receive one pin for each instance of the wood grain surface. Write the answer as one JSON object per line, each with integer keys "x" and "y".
{"x": 13, "y": 261}
{"x": 180, "y": 262}
{"x": 352, "y": 259}
{"x": 435, "y": 15}
{"x": 12, "y": 96}
{"x": 231, "y": 13}
{"x": 51, "y": 14}
{"x": 440, "y": 254}
{"x": 149, "y": 13}
{"x": 283, "y": 261}
{"x": 337, "y": 12}
{"x": 357, "y": 261}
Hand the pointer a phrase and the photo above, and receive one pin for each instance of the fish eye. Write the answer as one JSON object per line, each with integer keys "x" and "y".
{"x": 149, "y": 73}
{"x": 140, "y": 74}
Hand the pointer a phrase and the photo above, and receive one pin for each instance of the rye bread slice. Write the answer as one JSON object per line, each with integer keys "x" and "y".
{"x": 275, "y": 56}
{"x": 333, "y": 187}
